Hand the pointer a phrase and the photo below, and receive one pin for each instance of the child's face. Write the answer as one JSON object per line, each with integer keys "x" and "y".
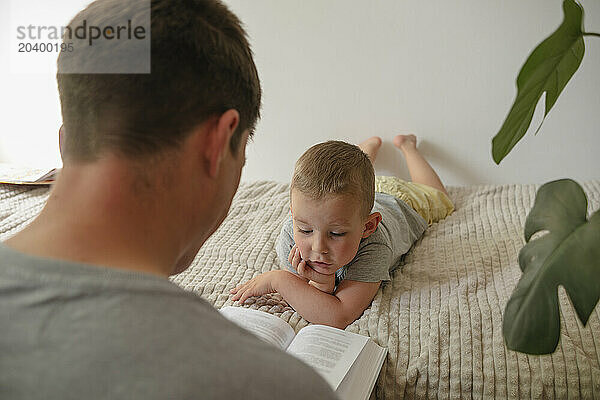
{"x": 327, "y": 231}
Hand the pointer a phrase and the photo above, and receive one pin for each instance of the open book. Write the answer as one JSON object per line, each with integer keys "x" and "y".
{"x": 17, "y": 175}
{"x": 349, "y": 362}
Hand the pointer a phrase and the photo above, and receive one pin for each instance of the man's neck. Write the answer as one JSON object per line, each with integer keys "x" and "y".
{"x": 102, "y": 214}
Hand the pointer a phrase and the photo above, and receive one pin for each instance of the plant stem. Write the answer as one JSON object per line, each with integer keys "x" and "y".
{"x": 591, "y": 34}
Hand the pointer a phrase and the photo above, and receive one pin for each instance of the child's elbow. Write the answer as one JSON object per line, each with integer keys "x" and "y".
{"x": 342, "y": 320}
{"x": 334, "y": 319}
{"x": 341, "y": 324}
{"x": 339, "y": 315}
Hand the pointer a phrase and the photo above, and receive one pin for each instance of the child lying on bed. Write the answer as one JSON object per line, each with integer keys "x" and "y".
{"x": 348, "y": 229}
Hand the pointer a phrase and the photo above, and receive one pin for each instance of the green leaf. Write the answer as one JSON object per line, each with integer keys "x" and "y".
{"x": 568, "y": 255}
{"x": 548, "y": 69}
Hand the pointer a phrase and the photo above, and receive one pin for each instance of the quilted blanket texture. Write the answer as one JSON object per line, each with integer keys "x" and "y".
{"x": 441, "y": 315}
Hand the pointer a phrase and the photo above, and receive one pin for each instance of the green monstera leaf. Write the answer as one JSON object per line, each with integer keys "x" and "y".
{"x": 548, "y": 69}
{"x": 567, "y": 255}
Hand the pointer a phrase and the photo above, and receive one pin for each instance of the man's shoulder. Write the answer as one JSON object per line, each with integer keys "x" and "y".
{"x": 231, "y": 361}
{"x": 142, "y": 327}
{"x": 213, "y": 354}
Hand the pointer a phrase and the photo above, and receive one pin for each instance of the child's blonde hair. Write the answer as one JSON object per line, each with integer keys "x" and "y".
{"x": 336, "y": 167}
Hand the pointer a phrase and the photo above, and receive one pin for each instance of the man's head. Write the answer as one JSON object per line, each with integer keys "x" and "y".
{"x": 201, "y": 66}
{"x": 171, "y": 142}
{"x": 332, "y": 195}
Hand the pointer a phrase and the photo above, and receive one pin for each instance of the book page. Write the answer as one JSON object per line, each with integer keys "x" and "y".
{"x": 330, "y": 351}
{"x": 267, "y": 327}
{"x": 360, "y": 380}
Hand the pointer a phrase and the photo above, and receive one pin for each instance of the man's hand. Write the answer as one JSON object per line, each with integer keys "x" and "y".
{"x": 323, "y": 282}
{"x": 257, "y": 286}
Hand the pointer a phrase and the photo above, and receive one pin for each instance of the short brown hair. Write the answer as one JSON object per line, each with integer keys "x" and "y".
{"x": 336, "y": 167}
{"x": 201, "y": 66}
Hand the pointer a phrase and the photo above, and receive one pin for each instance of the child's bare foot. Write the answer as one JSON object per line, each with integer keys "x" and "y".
{"x": 371, "y": 147}
{"x": 419, "y": 169}
{"x": 405, "y": 142}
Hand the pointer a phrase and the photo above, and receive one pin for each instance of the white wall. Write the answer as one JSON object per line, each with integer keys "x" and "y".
{"x": 349, "y": 69}
{"x": 29, "y": 107}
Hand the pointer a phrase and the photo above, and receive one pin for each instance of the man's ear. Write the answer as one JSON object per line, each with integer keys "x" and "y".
{"x": 371, "y": 224}
{"x": 218, "y": 138}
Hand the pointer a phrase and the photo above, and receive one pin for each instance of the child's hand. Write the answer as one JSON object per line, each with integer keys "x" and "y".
{"x": 256, "y": 286}
{"x": 327, "y": 284}
{"x": 323, "y": 282}
{"x": 296, "y": 260}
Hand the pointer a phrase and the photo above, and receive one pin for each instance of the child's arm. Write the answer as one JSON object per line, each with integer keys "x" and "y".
{"x": 338, "y": 310}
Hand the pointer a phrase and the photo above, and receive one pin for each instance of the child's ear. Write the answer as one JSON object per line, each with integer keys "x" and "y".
{"x": 371, "y": 224}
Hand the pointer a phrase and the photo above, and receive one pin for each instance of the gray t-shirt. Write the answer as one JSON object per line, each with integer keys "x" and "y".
{"x": 378, "y": 254}
{"x": 73, "y": 331}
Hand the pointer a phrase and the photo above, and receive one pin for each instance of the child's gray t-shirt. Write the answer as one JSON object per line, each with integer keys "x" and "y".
{"x": 75, "y": 331}
{"x": 378, "y": 254}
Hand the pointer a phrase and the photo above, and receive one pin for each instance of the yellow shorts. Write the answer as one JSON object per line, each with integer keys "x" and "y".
{"x": 431, "y": 204}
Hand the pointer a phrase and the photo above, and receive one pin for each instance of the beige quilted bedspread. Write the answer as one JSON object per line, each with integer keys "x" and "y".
{"x": 441, "y": 315}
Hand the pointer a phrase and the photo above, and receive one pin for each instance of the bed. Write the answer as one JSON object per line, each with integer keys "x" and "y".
{"x": 441, "y": 315}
